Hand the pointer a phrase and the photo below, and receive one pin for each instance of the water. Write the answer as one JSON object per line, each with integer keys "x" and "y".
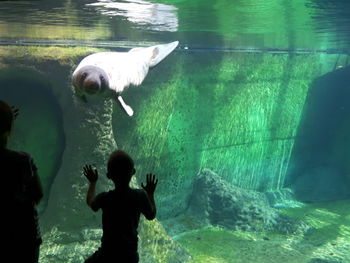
{"x": 245, "y": 123}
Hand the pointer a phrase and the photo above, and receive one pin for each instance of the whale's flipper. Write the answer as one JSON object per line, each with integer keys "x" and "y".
{"x": 156, "y": 54}
{"x": 125, "y": 107}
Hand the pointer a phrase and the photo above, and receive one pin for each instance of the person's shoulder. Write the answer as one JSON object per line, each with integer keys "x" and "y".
{"x": 23, "y": 154}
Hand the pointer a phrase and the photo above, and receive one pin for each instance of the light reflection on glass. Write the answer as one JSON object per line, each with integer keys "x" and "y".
{"x": 158, "y": 17}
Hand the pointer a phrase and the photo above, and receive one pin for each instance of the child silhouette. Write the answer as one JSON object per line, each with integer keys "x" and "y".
{"x": 121, "y": 209}
{"x": 21, "y": 192}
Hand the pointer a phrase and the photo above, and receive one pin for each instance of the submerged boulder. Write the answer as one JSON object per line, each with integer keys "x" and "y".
{"x": 219, "y": 203}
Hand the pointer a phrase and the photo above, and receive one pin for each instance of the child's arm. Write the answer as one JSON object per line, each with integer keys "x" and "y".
{"x": 150, "y": 188}
{"x": 92, "y": 176}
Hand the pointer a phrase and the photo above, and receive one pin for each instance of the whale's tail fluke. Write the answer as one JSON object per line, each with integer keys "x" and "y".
{"x": 157, "y": 53}
{"x": 161, "y": 51}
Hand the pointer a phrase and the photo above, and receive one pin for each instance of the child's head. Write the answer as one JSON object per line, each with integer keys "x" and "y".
{"x": 6, "y": 120}
{"x": 120, "y": 168}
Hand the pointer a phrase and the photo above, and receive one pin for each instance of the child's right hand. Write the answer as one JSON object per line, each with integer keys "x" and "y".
{"x": 151, "y": 184}
{"x": 90, "y": 173}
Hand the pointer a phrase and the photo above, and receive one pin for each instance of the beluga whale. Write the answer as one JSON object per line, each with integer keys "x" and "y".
{"x": 108, "y": 74}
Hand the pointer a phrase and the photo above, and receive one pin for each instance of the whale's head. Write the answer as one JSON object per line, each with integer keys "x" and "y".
{"x": 90, "y": 80}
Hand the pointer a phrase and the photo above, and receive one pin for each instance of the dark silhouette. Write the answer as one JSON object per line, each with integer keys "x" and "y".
{"x": 21, "y": 192}
{"x": 121, "y": 209}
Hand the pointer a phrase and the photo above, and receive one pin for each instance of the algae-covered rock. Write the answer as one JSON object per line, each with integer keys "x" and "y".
{"x": 157, "y": 246}
{"x": 222, "y": 204}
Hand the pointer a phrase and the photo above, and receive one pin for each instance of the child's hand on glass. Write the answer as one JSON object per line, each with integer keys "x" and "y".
{"x": 151, "y": 183}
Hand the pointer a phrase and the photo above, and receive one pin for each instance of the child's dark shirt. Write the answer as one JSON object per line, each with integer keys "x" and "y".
{"x": 121, "y": 211}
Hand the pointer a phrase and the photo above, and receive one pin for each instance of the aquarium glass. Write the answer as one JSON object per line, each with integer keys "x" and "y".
{"x": 246, "y": 124}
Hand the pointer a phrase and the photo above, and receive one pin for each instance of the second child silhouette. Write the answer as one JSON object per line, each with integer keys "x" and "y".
{"x": 121, "y": 209}
{"x": 21, "y": 192}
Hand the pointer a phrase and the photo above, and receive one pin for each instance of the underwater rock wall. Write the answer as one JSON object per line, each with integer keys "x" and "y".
{"x": 237, "y": 114}
{"x": 218, "y": 203}
{"x": 89, "y": 140}
{"x": 171, "y": 118}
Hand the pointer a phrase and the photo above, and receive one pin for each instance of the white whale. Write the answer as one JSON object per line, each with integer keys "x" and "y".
{"x": 108, "y": 74}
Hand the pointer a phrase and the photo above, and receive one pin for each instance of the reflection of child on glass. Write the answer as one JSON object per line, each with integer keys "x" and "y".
{"x": 21, "y": 192}
{"x": 121, "y": 209}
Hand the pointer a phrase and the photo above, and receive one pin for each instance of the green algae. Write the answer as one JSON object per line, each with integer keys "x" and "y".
{"x": 328, "y": 240}
{"x": 214, "y": 245}
{"x": 330, "y": 220}
{"x": 237, "y": 114}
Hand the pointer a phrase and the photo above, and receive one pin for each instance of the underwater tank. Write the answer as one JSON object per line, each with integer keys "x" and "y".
{"x": 246, "y": 124}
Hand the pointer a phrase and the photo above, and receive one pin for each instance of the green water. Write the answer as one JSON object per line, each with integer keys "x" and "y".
{"x": 256, "y": 93}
